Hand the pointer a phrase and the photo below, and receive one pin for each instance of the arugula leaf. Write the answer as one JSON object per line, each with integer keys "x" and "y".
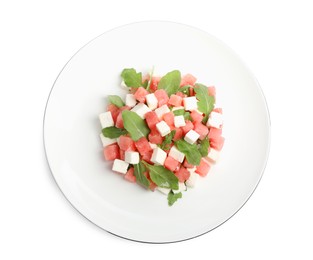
{"x": 185, "y": 89}
{"x": 135, "y": 125}
{"x": 168, "y": 140}
{"x": 172, "y": 197}
{"x": 113, "y": 132}
{"x": 139, "y": 169}
{"x": 170, "y": 82}
{"x": 206, "y": 102}
{"x": 179, "y": 112}
{"x": 191, "y": 151}
{"x": 204, "y": 146}
{"x": 187, "y": 116}
{"x": 132, "y": 78}
{"x": 162, "y": 177}
{"x": 116, "y": 100}
{"x": 145, "y": 84}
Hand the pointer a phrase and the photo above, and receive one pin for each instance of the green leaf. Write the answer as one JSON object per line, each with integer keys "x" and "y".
{"x": 170, "y": 82}
{"x": 145, "y": 84}
{"x": 185, "y": 89}
{"x": 168, "y": 140}
{"x": 179, "y": 112}
{"x": 150, "y": 80}
{"x": 116, "y": 100}
{"x": 139, "y": 169}
{"x": 191, "y": 151}
{"x": 206, "y": 102}
{"x": 162, "y": 177}
{"x": 173, "y": 197}
{"x": 135, "y": 125}
{"x": 132, "y": 78}
{"x": 187, "y": 116}
{"x": 113, "y": 132}
{"x": 204, "y": 147}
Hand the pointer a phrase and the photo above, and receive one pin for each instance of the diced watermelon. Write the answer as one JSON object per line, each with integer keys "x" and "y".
{"x": 122, "y": 154}
{"x": 180, "y": 94}
{"x": 187, "y": 164}
{"x": 147, "y": 156}
{"x": 188, "y": 79}
{"x": 126, "y": 143}
{"x": 196, "y": 117}
{"x": 119, "y": 120}
{"x": 169, "y": 118}
{"x": 203, "y": 168}
{"x": 111, "y": 152}
{"x": 182, "y": 174}
{"x": 161, "y": 96}
{"x": 218, "y": 110}
{"x": 191, "y": 92}
{"x": 154, "y": 83}
{"x": 171, "y": 164}
{"x": 212, "y": 91}
{"x": 152, "y": 119}
{"x": 140, "y": 94}
{"x": 217, "y": 143}
{"x": 152, "y": 184}
{"x": 114, "y": 111}
{"x": 155, "y": 137}
{"x": 189, "y": 126}
{"x": 175, "y": 101}
{"x": 214, "y": 133}
{"x": 143, "y": 145}
{"x": 130, "y": 175}
{"x": 178, "y": 134}
{"x": 201, "y": 129}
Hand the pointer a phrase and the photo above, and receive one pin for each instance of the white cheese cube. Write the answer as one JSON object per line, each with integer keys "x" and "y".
{"x": 177, "y": 108}
{"x": 213, "y": 155}
{"x": 106, "y": 119}
{"x": 152, "y": 101}
{"x": 153, "y": 145}
{"x": 141, "y": 109}
{"x": 158, "y": 156}
{"x": 190, "y": 103}
{"x": 215, "y": 120}
{"x": 181, "y": 187}
{"x": 179, "y": 121}
{"x": 176, "y": 154}
{"x": 123, "y": 85}
{"x": 163, "y": 128}
{"x": 120, "y": 166}
{"x": 130, "y": 100}
{"x": 165, "y": 191}
{"x": 132, "y": 157}
{"x": 107, "y": 141}
{"x": 192, "y": 179}
{"x": 191, "y": 137}
{"x": 161, "y": 111}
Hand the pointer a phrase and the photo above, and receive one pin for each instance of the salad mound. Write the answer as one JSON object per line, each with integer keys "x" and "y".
{"x": 165, "y": 133}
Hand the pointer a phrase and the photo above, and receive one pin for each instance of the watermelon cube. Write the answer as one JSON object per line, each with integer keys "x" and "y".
{"x": 218, "y": 110}
{"x": 143, "y": 146}
{"x": 187, "y": 164}
{"x": 171, "y": 164}
{"x": 155, "y": 137}
{"x": 203, "y": 168}
{"x": 188, "y": 79}
{"x": 178, "y": 134}
{"x": 181, "y": 94}
{"x": 214, "y": 133}
{"x": 189, "y": 126}
{"x": 122, "y": 154}
{"x": 130, "y": 175}
{"x": 140, "y": 94}
{"x": 169, "y": 118}
{"x": 154, "y": 83}
{"x": 152, "y": 119}
{"x": 161, "y": 96}
{"x": 217, "y": 143}
{"x": 196, "y": 116}
{"x": 147, "y": 156}
{"x": 212, "y": 91}
{"x": 201, "y": 129}
{"x": 182, "y": 174}
{"x": 175, "y": 101}
{"x": 111, "y": 152}
{"x": 126, "y": 143}
{"x": 114, "y": 111}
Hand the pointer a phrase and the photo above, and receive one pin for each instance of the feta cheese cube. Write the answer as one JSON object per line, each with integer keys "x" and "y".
{"x": 161, "y": 111}
{"x": 153, "y": 145}
{"x": 190, "y": 103}
{"x": 107, "y": 141}
{"x": 191, "y": 137}
{"x": 215, "y": 120}
{"x": 158, "y": 156}
{"x": 152, "y": 101}
{"x": 181, "y": 187}
{"x": 141, "y": 109}
{"x": 165, "y": 191}
{"x": 120, "y": 166}
{"x": 176, "y": 154}
{"x": 192, "y": 179}
{"x": 106, "y": 119}
{"x": 177, "y": 108}
{"x": 179, "y": 121}
{"x": 213, "y": 155}
{"x": 163, "y": 128}
{"x": 130, "y": 100}
{"x": 132, "y": 157}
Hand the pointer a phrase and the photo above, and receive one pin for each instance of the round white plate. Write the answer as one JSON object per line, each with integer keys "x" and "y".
{"x": 74, "y": 150}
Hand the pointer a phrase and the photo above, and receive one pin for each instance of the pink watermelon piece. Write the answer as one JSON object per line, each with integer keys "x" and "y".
{"x": 152, "y": 119}
{"x": 169, "y": 118}
{"x": 201, "y": 129}
{"x": 111, "y": 152}
{"x": 187, "y": 164}
{"x": 182, "y": 174}
{"x": 203, "y": 168}
{"x": 212, "y": 91}
{"x": 155, "y": 137}
{"x": 188, "y": 79}
{"x": 218, "y": 110}
{"x": 126, "y": 143}
{"x": 171, "y": 164}
{"x": 154, "y": 83}
{"x": 114, "y": 111}
{"x": 195, "y": 116}
{"x": 189, "y": 126}
{"x": 140, "y": 94}
{"x": 161, "y": 96}
{"x": 130, "y": 175}
{"x": 143, "y": 146}
{"x": 175, "y": 101}
{"x": 178, "y": 134}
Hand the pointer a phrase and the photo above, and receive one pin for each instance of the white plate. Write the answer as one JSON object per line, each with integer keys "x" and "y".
{"x": 74, "y": 152}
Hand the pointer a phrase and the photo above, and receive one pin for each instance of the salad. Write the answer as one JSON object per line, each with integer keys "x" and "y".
{"x": 164, "y": 134}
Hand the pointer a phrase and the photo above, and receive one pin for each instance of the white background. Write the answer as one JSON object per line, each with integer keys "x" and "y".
{"x": 274, "y": 38}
